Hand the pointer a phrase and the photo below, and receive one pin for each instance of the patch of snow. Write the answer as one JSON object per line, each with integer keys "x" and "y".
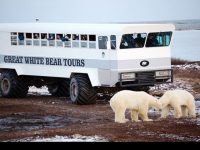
{"x": 178, "y": 84}
{"x": 194, "y": 66}
{"x": 73, "y": 138}
{"x": 38, "y": 91}
{"x": 148, "y": 133}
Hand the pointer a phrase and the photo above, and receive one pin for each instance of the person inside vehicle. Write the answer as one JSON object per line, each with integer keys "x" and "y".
{"x": 21, "y": 36}
{"x": 152, "y": 40}
{"x": 51, "y": 36}
{"x": 139, "y": 41}
{"x": 127, "y": 41}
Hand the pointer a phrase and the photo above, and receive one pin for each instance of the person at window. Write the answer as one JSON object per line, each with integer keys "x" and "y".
{"x": 21, "y": 36}
{"x": 75, "y": 37}
{"x": 123, "y": 44}
{"x": 51, "y": 36}
{"x": 36, "y": 36}
{"x": 139, "y": 41}
{"x": 58, "y": 37}
{"x": 127, "y": 41}
{"x": 84, "y": 37}
{"x": 44, "y": 36}
{"x": 152, "y": 41}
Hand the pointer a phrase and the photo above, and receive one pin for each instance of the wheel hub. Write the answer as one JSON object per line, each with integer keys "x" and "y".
{"x": 5, "y": 85}
{"x": 74, "y": 91}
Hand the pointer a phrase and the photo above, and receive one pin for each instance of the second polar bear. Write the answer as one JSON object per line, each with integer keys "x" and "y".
{"x": 182, "y": 101}
{"x": 137, "y": 102}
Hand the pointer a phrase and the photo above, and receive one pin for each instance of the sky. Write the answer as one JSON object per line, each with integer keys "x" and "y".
{"x": 95, "y": 11}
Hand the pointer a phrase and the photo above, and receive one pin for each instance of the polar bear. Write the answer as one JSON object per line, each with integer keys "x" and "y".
{"x": 182, "y": 101}
{"x": 137, "y": 102}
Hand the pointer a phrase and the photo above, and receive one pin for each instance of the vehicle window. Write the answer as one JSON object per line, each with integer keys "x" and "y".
{"x": 43, "y": 39}
{"x": 28, "y": 39}
{"x": 43, "y": 36}
{"x": 36, "y": 39}
{"x": 51, "y": 39}
{"x": 84, "y": 37}
{"x": 51, "y": 36}
{"x": 67, "y": 40}
{"x": 92, "y": 41}
{"x": 113, "y": 41}
{"x": 135, "y": 40}
{"x": 59, "y": 38}
{"x": 21, "y": 38}
{"x": 75, "y": 40}
{"x": 84, "y": 41}
{"x": 28, "y": 35}
{"x": 36, "y": 35}
{"x": 75, "y": 37}
{"x": 139, "y": 39}
{"x": 159, "y": 39}
{"x": 103, "y": 42}
{"x": 13, "y": 38}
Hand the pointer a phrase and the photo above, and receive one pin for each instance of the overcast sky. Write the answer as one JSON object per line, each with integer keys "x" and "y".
{"x": 98, "y": 10}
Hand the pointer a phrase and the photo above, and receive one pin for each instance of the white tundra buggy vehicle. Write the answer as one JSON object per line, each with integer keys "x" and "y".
{"x": 77, "y": 60}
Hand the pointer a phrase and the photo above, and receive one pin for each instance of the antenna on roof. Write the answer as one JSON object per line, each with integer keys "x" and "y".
{"x": 37, "y": 19}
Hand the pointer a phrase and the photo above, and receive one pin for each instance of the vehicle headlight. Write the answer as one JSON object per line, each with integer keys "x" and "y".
{"x": 165, "y": 73}
{"x": 126, "y": 76}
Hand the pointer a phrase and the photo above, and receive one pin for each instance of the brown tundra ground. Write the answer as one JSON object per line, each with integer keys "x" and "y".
{"x": 41, "y": 116}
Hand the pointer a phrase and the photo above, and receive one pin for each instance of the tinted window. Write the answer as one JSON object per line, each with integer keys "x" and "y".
{"x": 113, "y": 41}
{"x": 75, "y": 42}
{"x": 21, "y": 38}
{"x": 136, "y": 40}
{"x": 159, "y": 39}
{"x": 92, "y": 41}
{"x": 103, "y": 40}
{"x": 13, "y": 38}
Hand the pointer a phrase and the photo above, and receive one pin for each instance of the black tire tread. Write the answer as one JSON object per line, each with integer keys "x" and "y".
{"x": 87, "y": 93}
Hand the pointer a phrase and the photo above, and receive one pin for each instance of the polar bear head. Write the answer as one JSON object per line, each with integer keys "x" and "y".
{"x": 165, "y": 99}
{"x": 155, "y": 103}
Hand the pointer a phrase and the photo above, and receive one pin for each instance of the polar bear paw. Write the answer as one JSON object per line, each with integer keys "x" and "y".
{"x": 122, "y": 121}
{"x": 135, "y": 120}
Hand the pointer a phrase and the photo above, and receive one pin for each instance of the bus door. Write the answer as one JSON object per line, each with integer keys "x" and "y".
{"x": 106, "y": 45}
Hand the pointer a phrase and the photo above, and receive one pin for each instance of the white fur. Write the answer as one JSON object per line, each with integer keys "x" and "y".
{"x": 137, "y": 102}
{"x": 182, "y": 101}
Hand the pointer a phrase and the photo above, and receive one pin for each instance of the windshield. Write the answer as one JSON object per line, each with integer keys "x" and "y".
{"x": 138, "y": 40}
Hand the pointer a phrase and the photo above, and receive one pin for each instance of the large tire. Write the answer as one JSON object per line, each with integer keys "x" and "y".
{"x": 81, "y": 90}
{"x": 59, "y": 89}
{"x": 12, "y": 86}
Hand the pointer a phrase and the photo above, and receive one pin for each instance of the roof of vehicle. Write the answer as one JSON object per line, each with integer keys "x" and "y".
{"x": 82, "y": 28}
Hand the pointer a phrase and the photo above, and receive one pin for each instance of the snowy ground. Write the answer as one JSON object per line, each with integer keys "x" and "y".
{"x": 80, "y": 138}
{"x": 194, "y": 66}
{"x": 6, "y": 124}
{"x": 179, "y": 84}
{"x": 73, "y": 138}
